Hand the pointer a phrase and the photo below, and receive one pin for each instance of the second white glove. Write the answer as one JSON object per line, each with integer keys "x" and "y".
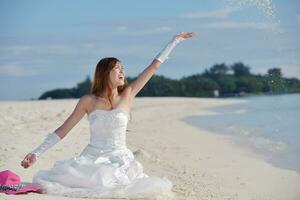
{"x": 50, "y": 140}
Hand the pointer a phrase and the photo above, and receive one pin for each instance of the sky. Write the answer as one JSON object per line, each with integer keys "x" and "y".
{"x": 46, "y": 45}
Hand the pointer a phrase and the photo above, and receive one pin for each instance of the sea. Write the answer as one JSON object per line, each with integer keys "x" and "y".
{"x": 268, "y": 125}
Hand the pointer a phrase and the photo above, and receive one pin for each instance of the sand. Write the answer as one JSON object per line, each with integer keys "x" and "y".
{"x": 201, "y": 164}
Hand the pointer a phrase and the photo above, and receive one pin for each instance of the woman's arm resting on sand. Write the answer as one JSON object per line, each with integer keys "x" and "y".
{"x": 54, "y": 137}
{"x": 145, "y": 76}
{"x": 65, "y": 128}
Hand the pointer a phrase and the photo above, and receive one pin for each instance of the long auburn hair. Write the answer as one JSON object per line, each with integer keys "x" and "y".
{"x": 100, "y": 82}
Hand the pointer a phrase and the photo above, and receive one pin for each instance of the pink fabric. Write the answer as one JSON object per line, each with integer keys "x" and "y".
{"x": 9, "y": 178}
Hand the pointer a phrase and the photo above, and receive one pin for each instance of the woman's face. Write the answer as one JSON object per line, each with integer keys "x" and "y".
{"x": 117, "y": 75}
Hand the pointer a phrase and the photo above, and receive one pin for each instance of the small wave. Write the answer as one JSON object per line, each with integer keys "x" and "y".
{"x": 268, "y": 144}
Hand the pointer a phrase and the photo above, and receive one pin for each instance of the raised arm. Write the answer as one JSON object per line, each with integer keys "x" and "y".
{"x": 54, "y": 137}
{"x": 145, "y": 76}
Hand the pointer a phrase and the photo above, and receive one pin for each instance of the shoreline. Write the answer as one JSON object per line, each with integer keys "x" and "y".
{"x": 226, "y": 96}
{"x": 231, "y": 121}
{"x": 201, "y": 164}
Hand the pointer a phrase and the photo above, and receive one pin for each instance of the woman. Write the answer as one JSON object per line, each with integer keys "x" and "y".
{"x": 106, "y": 167}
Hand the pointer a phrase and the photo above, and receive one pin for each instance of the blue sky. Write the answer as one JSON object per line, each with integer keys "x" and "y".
{"x": 56, "y": 44}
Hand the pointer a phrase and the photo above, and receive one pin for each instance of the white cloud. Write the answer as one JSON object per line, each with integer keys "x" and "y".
{"x": 266, "y": 6}
{"x": 240, "y": 25}
{"x": 15, "y": 50}
{"x": 135, "y": 32}
{"x": 18, "y": 50}
{"x": 222, "y": 21}
{"x": 223, "y": 13}
{"x": 122, "y": 28}
{"x": 164, "y": 29}
{"x": 60, "y": 49}
{"x": 88, "y": 45}
{"x": 15, "y": 70}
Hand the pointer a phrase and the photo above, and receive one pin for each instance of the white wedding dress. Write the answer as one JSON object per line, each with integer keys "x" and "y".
{"x": 106, "y": 168}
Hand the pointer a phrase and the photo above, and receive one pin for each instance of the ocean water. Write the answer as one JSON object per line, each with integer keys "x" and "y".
{"x": 267, "y": 125}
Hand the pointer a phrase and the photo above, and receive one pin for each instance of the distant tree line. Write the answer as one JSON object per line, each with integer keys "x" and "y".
{"x": 233, "y": 80}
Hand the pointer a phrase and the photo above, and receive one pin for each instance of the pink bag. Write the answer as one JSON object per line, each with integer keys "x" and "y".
{"x": 10, "y": 183}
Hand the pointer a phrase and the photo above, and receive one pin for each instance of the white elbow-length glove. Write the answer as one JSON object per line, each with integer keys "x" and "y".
{"x": 163, "y": 55}
{"x": 50, "y": 140}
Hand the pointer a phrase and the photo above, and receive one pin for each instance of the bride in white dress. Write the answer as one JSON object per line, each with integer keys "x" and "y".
{"x": 106, "y": 168}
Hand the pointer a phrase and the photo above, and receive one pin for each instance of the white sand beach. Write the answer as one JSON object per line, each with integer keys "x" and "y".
{"x": 202, "y": 165}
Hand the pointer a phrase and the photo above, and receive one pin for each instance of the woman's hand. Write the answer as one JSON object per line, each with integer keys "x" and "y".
{"x": 186, "y": 35}
{"x": 28, "y": 160}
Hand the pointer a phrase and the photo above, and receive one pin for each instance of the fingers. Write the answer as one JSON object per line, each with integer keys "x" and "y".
{"x": 186, "y": 34}
{"x": 24, "y": 164}
{"x": 191, "y": 34}
{"x": 27, "y": 162}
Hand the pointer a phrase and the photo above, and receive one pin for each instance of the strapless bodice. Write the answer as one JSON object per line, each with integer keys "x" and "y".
{"x": 108, "y": 129}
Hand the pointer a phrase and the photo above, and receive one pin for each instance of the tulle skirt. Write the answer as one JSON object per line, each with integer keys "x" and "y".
{"x": 111, "y": 174}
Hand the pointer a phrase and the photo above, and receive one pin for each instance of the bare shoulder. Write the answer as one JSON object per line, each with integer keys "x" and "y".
{"x": 87, "y": 97}
{"x": 86, "y": 100}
